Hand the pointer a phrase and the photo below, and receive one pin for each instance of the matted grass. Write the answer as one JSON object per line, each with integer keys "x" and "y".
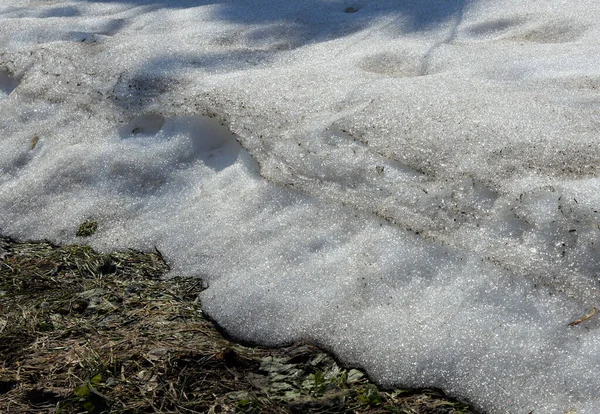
{"x": 83, "y": 332}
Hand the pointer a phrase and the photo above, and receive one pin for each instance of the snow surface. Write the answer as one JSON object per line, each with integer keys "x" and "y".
{"x": 411, "y": 184}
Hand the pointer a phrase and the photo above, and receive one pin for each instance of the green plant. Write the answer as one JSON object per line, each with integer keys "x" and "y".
{"x": 89, "y": 398}
{"x": 369, "y": 395}
{"x": 87, "y": 228}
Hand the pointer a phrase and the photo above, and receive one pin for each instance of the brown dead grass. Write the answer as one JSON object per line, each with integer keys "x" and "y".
{"x": 87, "y": 332}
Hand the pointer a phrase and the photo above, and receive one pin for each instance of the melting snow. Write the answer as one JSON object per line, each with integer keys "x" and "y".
{"x": 410, "y": 184}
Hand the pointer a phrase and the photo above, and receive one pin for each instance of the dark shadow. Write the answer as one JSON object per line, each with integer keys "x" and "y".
{"x": 61, "y": 12}
{"x": 8, "y": 83}
{"x": 264, "y": 29}
{"x": 269, "y": 28}
{"x": 275, "y": 26}
{"x": 335, "y": 17}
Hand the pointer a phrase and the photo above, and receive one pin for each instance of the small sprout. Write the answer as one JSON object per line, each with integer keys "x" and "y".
{"x": 369, "y": 395}
{"x": 89, "y": 398}
{"x": 316, "y": 383}
{"x": 82, "y": 391}
{"x": 87, "y": 228}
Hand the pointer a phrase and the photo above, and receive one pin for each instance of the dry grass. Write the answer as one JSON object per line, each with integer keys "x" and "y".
{"x": 87, "y": 332}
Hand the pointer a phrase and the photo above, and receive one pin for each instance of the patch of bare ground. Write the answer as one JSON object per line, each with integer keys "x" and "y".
{"x": 83, "y": 332}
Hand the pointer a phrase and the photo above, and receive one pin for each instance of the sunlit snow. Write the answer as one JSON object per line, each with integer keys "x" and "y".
{"x": 412, "y": 185}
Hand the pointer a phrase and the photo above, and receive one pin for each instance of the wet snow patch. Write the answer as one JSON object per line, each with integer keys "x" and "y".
{"x": 402, "y": 65}
{"x": 550, "y": 32}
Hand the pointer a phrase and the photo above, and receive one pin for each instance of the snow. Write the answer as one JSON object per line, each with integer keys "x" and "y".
{"x": 412, "y": 185}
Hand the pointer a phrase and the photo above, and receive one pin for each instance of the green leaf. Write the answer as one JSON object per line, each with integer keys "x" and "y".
{"x": 82, "y": 391}
{"x": 238, "y": 395}
{"x": 292, "y": 395}
{"x": 318, "y": 378}
{"x": 96, "y": 379}
{"x": 354, "y": 375}
{"x": 370, "y": 395}
{"x": 279, "y": 387}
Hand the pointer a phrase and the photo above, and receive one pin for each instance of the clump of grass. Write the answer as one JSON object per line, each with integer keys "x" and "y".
{"x": 82, "y": 331}
{"x": 87, "y": 228}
